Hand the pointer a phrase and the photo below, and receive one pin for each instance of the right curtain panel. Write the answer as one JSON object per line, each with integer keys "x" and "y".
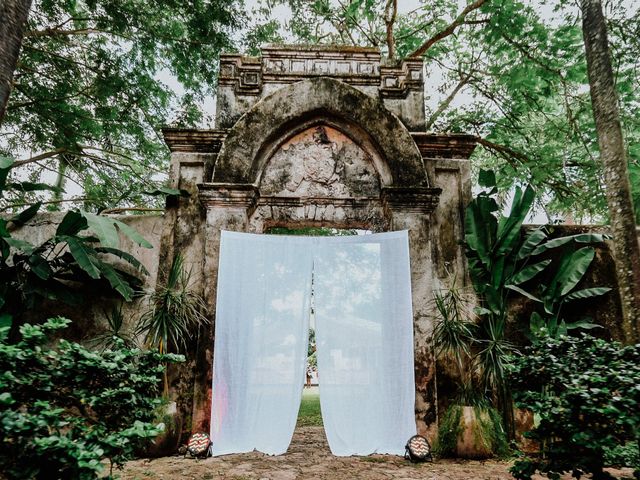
{"x": 364, "y": 336}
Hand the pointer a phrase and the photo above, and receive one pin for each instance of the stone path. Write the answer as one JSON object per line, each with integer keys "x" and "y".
{"x": 309, "y": 457}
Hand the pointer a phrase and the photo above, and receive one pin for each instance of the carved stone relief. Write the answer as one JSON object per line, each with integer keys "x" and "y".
{"x": 320, "y": 162}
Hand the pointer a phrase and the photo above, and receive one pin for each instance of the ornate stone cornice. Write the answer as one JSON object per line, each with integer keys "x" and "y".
{"x": 452, "y": 145}
{"x": 289, "y": 64}
{"x": 397, "y": 79}
{"x": 411, "y": 199}
{"x": 228, "y": 195}
{"x": 194, "y": 140}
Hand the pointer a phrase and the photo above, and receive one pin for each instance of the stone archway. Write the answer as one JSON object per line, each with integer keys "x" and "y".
{"x": 320, "y": 147}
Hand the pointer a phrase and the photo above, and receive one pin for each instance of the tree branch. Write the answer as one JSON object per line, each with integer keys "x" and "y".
{"x": 130, "y": 209}
{"x": 390, "y": 13}
{"x": 447, "y": 101}
{"x": 459, "y": 20}
{"x": 42, "y": 156}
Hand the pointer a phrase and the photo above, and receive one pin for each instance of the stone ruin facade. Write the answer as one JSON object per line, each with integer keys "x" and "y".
{"x": 326, "y": 137}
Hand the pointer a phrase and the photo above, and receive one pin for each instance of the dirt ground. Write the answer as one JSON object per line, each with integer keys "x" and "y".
{"x": 309, "y": 457}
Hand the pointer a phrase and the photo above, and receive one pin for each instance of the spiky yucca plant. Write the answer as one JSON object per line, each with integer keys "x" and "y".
{"x": 175, "y": 312}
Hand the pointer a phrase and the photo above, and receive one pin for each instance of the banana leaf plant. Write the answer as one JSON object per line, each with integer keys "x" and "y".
{"x": 80, "y": 253}
{"x": 503, "y": 260}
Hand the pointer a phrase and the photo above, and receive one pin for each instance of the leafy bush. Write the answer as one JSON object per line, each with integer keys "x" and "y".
{"x": 587, "y": 394}
{"x": 64, "y": 410}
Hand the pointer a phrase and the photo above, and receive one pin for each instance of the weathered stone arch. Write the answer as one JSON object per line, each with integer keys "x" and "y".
{"x": 363, "y": 118}
{"x": 263, "y": 167}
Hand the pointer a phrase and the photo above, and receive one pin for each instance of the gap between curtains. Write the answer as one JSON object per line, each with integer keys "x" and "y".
{"x": 364, "y": 337}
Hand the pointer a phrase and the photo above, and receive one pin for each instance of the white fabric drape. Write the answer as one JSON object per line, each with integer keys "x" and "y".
{"x": 364, "y": 337}
{"x": 261, "y": 335}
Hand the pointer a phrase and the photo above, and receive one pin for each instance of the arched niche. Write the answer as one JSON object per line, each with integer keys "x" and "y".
{"x": 260, "y": 131}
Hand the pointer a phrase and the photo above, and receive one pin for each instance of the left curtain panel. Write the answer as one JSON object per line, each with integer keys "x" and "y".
{"x": 261, "y": 335}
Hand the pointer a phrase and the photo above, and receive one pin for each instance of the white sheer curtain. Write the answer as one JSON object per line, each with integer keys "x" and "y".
{"x": 364, "y": 337}
{"x": 261, "y": 335}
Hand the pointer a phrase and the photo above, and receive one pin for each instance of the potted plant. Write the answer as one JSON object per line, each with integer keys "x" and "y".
{"x": 470, "y": 427}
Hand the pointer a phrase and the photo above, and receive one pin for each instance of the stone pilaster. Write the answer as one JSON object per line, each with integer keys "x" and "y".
{"x": 227, "y": 207}
{"x": 410, "y": 209}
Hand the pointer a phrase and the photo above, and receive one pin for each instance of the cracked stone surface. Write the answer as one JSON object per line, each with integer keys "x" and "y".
{"x": 309, "y": 457}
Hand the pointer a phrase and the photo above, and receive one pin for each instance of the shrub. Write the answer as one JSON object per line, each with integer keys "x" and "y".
{"x": 586, "y": 392}
{"x": 64, "y": 410}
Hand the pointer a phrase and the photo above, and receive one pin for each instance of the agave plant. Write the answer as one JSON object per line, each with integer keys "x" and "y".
{"x": 175, "y": 312}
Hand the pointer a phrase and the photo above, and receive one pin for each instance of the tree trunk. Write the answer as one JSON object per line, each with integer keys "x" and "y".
{"x": 13, "y": 16}
{"x": 614, "y": 164}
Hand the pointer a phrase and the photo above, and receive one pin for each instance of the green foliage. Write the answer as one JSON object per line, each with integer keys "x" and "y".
{"x": 449, "y": 429}
{"x": 454, "y": 336}
{"x": 626, "y": 455}
{"x": 91, "y": 92}
{"x": 115, "y": 334}
{"x": 586, "y": 393}
{"x": 175, "y": 312}
{"x": 503, "y": 260}
{"x": 80, "y": 253}
{"x": 65, "y": 409}
{"x": 513, "y": 73}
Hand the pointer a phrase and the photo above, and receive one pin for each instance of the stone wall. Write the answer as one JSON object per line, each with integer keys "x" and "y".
{"x": 89, "y": 318}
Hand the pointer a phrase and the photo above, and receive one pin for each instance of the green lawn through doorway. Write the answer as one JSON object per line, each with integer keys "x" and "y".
{"x": 309, "y": 414}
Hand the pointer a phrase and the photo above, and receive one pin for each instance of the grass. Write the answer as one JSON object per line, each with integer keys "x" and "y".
{"x": 309, "y": 414}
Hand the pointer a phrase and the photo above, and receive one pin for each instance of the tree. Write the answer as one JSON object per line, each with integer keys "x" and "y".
{"x": 501, "y": 70}
{"x": 614, "y": 164}
{"x": 89, "y": 99}
{"x": 13, "y": 15}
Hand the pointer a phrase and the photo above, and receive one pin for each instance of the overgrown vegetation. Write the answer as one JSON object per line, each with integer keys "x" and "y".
{"x": 586, "y": 393}
{"x": 455, "y": 338}
{"x": 504, "y": 263}
{"x": 82, "y": 252}
{"x": 64, "y": 409}
{"x": 175, "y": 312}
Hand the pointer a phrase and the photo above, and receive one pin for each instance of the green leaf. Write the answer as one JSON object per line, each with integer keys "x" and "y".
{"x": 571, "y": 273}
{"x": 104, "y": 228}
{"x": 72, "y": 223}
{"x": 26, "y": 215}
{"x": 509, "y": 227}
{"x": 32, "y": 187}
{"x": 584, "y": 323}
{"x": 117, "y": 282}
{"x": 5, "y": 320}
{"x": 529, "y": 272}
{"x": 587, "y": 293}
{"x": 5, "y": 162}
{"x": 580, "y": 238}
{"x": 523, "y": 292}
{"x": 531, "y": 242}
{"x": 40, "y": 267}
{"x": 125, "y": 256}
{"x": 18, "y": 244}
{"x": 83, "y": 255}
{"x": 487, "y": 178}
{"x": 133, "y": 234}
